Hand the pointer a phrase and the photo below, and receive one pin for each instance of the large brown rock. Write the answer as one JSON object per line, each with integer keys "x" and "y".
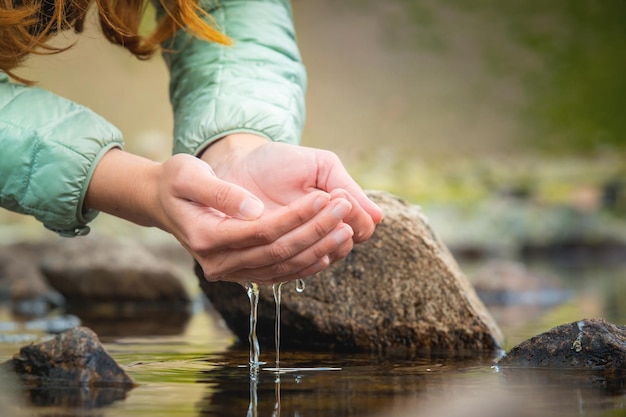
{"x": 399, "y": 293}
{"x": 593, "y": 344}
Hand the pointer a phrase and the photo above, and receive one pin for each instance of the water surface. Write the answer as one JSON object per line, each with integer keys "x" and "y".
{"x": 200, "y": 372}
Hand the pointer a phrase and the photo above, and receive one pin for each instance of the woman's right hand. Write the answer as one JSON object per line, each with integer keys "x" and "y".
{"x": 223, "y": 226}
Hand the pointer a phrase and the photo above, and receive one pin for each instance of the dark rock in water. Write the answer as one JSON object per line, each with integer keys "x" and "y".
{"x": 399, "y": 293}
{"x": 71, "y": 370}
{"x": 593, "y": 344}
{"x": 72, "y": 358}
{"x": 90, "y": 271}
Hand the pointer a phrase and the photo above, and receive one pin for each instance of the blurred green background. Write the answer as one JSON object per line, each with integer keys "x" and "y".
{"x": 439, "y": 102}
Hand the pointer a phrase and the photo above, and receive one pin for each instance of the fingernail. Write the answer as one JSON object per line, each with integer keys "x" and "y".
{"x": 322, "y": 263}
{"x": 342, "y": 208}
{"x": 342, "y": 235}
{"x": 251, "y": 208}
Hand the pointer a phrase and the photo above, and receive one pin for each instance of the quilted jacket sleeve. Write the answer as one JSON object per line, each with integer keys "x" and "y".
{"x": 49, "y": 147}
{"x": 256, "y": 85}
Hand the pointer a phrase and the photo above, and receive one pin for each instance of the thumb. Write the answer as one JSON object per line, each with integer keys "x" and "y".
{"x": 232, "y": 200}
{"x": 203, "y": 187}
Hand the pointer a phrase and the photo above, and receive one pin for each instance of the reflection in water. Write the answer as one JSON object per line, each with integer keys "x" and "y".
{"x": 55, "y": 394}
{"x": 350, "y": 386}
{"x": 254, "y": 398}
{"x": 276, "y": 412}
{"x": 75, "y": 397}
{"x": 525, "y": 392}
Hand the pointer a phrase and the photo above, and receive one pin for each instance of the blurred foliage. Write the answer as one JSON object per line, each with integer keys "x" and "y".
{"x": 567, "y": 54}
{"x": 570, "y": 180}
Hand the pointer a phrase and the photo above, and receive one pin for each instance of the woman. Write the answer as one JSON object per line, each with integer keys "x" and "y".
{"x": 237, "y": 193}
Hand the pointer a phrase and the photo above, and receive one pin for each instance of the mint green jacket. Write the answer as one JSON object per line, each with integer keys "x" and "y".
{"x": 50, "y": 146}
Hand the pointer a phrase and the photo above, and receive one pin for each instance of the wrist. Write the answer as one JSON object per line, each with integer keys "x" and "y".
{"x": 226, "y": 151}
{"x": 126, "y": 186}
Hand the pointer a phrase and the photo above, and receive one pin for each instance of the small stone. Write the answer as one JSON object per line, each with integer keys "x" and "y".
{"x": 593, "y": 344}
{"x": 72, "y": 358}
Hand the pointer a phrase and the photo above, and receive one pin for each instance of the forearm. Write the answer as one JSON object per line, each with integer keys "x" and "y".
{"x": 256, "y": 86}
{"x": 126, "y": 186}
{"x": 49, "y": 149}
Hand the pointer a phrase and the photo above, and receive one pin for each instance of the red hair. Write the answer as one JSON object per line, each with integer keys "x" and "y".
{"x": 26, "y": 26}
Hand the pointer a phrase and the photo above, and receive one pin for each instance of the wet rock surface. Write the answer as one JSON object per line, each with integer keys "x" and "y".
{"x": 399, "y": 293}
{"x": 593, "y": 344}
{"x": 72, "y": 358}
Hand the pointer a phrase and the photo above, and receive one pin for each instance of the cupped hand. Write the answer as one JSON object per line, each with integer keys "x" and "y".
{"x": 281, "y": 174}
{"x": 226, "y": 229}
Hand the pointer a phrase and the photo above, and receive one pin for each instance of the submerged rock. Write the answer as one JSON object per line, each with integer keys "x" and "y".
{"x": 587, "y": 344}
{"x": 72, "y": 358}
{"x": 399, "y": 293}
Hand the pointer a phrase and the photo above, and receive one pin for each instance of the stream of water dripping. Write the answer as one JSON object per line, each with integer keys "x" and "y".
{"x": 277, "y": 288}
{"x": 252, "y": 289}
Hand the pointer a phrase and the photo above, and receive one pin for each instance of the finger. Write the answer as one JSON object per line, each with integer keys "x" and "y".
{"x": 333, "y": 175}
{"x": 302, "y": 246}
{"x": 321, "y": 264}
{"x": 272, "y": 225}
{"x": 318, "y": 266}
{"x": 304, "y": 263}
{"x": 342, "y": 251}
{"x": 308, "y": 259}
{"x": 197, "y": 182}
{"x": 358, "y": 219}
{"x": 371, "y": 208}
